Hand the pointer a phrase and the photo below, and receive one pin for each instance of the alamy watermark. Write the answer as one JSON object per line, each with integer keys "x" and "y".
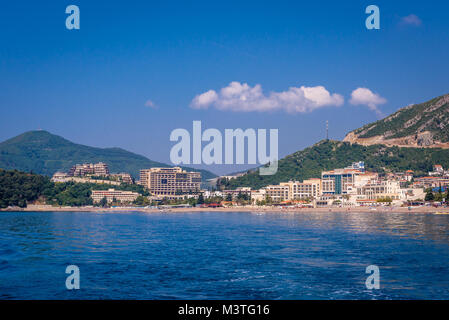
{"x": 73, "y": 280}
{"x": 212, "y": 153}
{"x": 373, "y": 280}
{"x": 373, "y": 20}
{"x": 73, "y": 20}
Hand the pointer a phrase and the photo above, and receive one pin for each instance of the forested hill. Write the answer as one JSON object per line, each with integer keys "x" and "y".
{"x": 328, "y": 154}
{"x": 45, "y": 153}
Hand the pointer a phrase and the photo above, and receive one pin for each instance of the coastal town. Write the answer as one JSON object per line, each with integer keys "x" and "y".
{"x": 351, "y": 186}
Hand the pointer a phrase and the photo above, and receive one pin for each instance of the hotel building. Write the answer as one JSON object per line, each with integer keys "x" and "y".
{"x": 380, "y": 189}
{"x": 111, "y": 194}
{"x": 278, "y": 193}
{"x": 99, "y": 169}
{"x": 294, "y": 190}
{"x": 341, "y": 181}
{"x": 170, "y": 181}
{"x": 310, "y": 188}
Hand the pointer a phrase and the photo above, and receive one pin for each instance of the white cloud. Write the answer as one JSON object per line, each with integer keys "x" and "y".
{"x": 150, "y": 104}
{"x": 202, "y": 101}
{"x": 412, "y": 20}
{"x": 240, "y": 97}
{"x": 364, "y": 96}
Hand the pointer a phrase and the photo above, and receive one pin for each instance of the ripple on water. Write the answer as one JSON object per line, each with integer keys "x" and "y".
{"x": 224, "y": 255}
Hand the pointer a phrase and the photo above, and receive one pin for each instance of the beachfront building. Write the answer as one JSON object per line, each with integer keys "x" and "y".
{"x": 111, "y": 194}
{"x": 170, "y": 181}
{"x": 234, "y": 194}
{"x": 307, "y": 189}
{"x": 338, "y": 181}
{"x": 412, "y": 194}
{"x": 278, "y": 193}
{"x": 344, "y": 181}
{"x": 258, "y": 195}
{"x": 380, "y": 190}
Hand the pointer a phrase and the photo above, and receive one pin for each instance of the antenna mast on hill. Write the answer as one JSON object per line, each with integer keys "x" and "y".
{"x": 327, "y": 129}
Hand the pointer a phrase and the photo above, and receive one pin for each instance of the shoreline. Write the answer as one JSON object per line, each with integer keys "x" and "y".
{"x": 48, "y": 208}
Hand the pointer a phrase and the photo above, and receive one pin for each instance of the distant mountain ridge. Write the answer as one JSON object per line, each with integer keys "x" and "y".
{"x": 45, "y": 153}
{"x": 424, "y": 125}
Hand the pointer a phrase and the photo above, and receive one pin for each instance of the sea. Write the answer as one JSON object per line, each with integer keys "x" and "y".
{"x": 223, "y": 255}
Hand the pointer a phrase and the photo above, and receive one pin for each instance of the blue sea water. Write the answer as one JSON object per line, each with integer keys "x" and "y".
{"x": 223, "y": 255}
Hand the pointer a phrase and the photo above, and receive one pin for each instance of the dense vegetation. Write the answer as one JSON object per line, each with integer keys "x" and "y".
{"x": 19, "y": 189}
{"x": 44, "y": 153}
{"x": 410, "y": 120}
{"x": 327, "y": 155}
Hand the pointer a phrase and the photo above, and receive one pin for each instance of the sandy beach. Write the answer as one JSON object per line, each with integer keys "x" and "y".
{"x": 48, "y": 208}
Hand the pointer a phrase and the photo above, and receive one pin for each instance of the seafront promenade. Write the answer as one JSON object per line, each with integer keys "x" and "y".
{"x": 258, "y": 209}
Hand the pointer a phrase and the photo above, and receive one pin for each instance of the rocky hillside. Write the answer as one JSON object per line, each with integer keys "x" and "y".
{"x": 420, "y": 125}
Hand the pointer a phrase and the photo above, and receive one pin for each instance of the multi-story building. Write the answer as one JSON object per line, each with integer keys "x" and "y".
{"x": 258, "y": 195}
{"x": 170, "y": 181}
{"x": 79, "y": 170}
{"x": 123, "y": 177}
{"x": 294, "y": 190}
{"x": 307, "y": 189}
{"x": 99, "y": 169}
{"x": 111, "y": 194}
{"x": 338, "y": 181}
{"x": 431, "y": 182}
{"x": 380, "y": 190}
{"x": 438, "y": 170}
{"x": 278, "y": 193}
{"x": 342, "y": 181}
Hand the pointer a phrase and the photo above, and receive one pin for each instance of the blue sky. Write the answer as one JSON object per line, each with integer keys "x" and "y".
{"x": 91, "y": 85}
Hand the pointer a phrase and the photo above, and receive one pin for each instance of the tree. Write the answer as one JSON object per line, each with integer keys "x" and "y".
{"x": 142, "y": 201}
{"x": 429, "y": 196}
{"x": 200, "y": 199}
{"x": 387, "y": 200}
{"x": 103, "y": 202}
{"x": 229, "y": 197}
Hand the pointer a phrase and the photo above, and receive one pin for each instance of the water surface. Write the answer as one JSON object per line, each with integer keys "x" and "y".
{"x": 216, "y": 255}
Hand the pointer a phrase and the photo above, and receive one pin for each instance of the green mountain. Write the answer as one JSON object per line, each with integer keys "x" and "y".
{"x": 418, "y": 125}
{"x": 328, "y": 154}
{"x": 45, "y": 153}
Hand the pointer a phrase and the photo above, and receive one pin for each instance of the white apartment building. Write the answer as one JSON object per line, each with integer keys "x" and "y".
{"x": 258, "y": 195}
{"x": 380, "y": 189}
{"x": 310, "y": 188}
{"x": 111, "y": 194}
